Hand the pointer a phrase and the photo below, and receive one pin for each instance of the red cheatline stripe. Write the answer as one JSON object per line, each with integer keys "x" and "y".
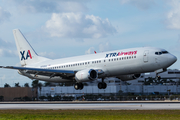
{"x": 29, "y": 54}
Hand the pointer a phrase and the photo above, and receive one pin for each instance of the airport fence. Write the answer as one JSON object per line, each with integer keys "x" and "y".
{"x": 112, "y": 97}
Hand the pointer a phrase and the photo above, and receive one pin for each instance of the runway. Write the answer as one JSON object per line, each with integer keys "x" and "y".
{"x": 95, "y": 106}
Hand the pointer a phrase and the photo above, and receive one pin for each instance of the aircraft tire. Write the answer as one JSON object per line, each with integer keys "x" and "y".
{"x": 104, "y": 85}
{"x": 100, "y": 85}
{"x": 81, "y": 86}
{"x": 76, "y": 86}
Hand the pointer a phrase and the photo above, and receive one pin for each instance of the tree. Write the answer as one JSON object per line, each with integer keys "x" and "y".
{"x": 40, "y": 87}
{"x": 26, "y": 85}
{"x": 7, "y": 85}
{"x": 47, "y": 84}
{"x": 36, "y": 84}
{"x": 17, "y": 84}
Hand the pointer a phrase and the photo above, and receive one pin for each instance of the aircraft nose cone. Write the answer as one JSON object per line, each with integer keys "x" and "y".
{"x": 173, "y": 59}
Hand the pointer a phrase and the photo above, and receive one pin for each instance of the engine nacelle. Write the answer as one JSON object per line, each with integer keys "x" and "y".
{"x": 129, "y": 77}
{"x": 86, "y": 75}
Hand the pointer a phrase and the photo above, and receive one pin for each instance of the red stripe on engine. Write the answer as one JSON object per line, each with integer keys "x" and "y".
{"x": 29, "y": 54}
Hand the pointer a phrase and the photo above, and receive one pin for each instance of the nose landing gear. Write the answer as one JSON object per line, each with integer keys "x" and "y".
{"x": 159, "y": 71}
{"x": 158, "y": 77}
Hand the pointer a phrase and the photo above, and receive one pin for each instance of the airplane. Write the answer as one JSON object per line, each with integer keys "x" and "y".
{"x": 126, "y": 64}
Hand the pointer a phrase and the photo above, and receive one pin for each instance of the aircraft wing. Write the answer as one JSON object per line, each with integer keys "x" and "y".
{"x": 45, "y": 72}
{"x": 48, "y": 72}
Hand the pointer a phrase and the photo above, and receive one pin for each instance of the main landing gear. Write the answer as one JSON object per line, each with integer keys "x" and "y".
{"x": 102, "y": 85}
{"x": 78, "y": 86}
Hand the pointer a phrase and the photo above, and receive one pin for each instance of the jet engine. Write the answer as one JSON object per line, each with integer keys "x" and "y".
{"x": 129, "y": 77}
{"x": 86, "y": 75}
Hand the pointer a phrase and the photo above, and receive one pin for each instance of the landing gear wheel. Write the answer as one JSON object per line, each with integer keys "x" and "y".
{"x": 102, "y": 85}
{"x": 78, "y": 86}
{"x": 81, "y": 86}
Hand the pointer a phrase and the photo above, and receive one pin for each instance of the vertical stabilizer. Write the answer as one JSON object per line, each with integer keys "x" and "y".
{"x": 27, "y": 55}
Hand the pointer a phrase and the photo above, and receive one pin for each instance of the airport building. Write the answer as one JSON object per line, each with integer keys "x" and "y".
{"x": 145, "y": 85}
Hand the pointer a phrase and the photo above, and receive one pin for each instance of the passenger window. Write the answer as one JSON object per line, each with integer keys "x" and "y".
{"x": 85, "y": 62}
{"x": 134, "y": 56}
{"x": 122, "y": 58}
{"x": 97, "y": 61}
{"x": 115, "y": 59}
{"x": 119, "y": 58}
{"x": 88, "y": 62}
{"x": 109, "y": 60}
{"x": 127, "y": 57}
{"x": 112, "y": 59}
{"x": 104, "y": 60}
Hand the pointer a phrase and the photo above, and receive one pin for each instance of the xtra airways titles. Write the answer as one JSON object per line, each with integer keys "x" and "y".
{"x": 121, "y": 53}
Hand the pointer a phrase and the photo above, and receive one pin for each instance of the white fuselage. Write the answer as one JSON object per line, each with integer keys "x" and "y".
{"x": 113, "y": 63}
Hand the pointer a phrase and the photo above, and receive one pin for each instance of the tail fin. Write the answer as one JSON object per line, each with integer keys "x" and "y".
{"x": 27, "y": 55}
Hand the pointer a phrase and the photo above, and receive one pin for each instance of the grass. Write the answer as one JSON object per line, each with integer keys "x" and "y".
{"x": 90, "y": 114}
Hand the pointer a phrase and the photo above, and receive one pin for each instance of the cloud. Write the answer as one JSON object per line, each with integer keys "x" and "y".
{"x": 5, "y": 44}
{"x": 7, "y": 53}
{"x": 48, "y": 55}
{"x": 90, "y": 50}
{"x": 4, "y": 15}
{"x": 140, "y": 4}
{"x": 173, "y": 16}
{"x": 103, "y": 47}
{"x": 72, "y": 25}
{"x": 5, "y": 49}
{"x": 48, "y": 6}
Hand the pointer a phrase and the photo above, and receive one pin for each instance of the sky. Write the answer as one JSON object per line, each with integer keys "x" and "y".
{"x": 64, "y": 28}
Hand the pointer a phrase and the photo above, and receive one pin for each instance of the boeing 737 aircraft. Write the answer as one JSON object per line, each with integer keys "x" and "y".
{"x": 126, "y": 64}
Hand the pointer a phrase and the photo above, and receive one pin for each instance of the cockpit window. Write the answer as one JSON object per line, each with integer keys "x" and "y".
{"x": 162, "y": 52}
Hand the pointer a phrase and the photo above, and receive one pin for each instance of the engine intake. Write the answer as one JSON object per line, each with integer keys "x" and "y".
{"x": 86, "y": 75}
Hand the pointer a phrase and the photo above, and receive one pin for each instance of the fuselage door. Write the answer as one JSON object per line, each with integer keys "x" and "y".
{"x": 145, "y": 57}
